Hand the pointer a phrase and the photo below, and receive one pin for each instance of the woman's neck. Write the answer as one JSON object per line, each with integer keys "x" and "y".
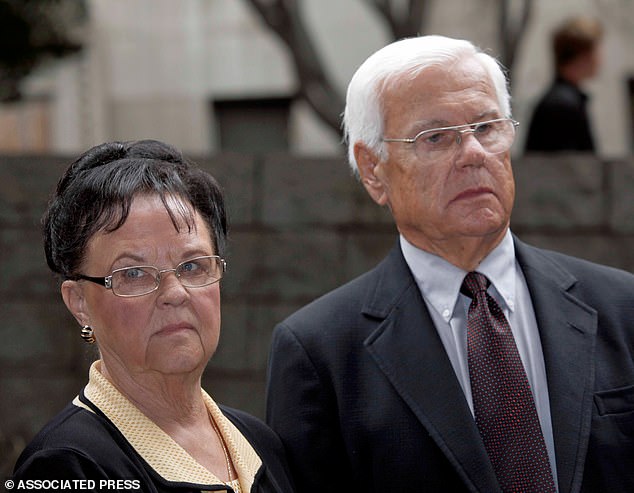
{"x": 167, "y": 400}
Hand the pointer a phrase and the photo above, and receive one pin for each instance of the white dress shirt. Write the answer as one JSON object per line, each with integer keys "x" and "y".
{"x": 439, "y": 283}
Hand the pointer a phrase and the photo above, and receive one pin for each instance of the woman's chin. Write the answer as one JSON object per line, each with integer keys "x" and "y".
{"x": 179, "y": 360}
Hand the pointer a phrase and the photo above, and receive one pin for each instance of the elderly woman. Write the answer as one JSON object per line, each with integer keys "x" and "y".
{"x": 137, "y": 234}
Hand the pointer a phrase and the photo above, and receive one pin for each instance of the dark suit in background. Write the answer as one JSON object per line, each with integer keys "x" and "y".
{"x": 560, "y": 121}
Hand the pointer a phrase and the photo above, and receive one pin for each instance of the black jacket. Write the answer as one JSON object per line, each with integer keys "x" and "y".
{"x": 560, "y": 121}
{"x": 81, "y": 445}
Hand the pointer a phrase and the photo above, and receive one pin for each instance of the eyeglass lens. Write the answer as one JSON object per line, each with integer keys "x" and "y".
{"x": 138, "y": 280}
{"x": 494, "y": 137}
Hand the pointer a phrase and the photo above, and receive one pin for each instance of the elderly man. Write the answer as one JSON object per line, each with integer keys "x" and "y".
{"x": 466, "y": 360}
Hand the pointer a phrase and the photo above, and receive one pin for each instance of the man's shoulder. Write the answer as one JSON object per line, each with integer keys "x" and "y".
{"x": 563, "y": 94}
{"x": 350, "y": 298}
{"x": 587, "y": 274}
{"x": 345, "y": 299}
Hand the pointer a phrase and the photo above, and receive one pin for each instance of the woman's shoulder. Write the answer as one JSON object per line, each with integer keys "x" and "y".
{"x": 73, "y": 426}
{"x": 249, "y": 424}
{"x": 268, "y": 446}
{"x": 75, "y": 444}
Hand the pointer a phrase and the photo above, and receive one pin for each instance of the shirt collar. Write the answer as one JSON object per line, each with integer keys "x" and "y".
{"x": 439, "y": 281}
{"x": 157, "y": 448}
{"x": 499, "y": 266}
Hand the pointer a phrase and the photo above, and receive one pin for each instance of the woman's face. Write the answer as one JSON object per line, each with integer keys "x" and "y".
{"x": 171, "y": 330}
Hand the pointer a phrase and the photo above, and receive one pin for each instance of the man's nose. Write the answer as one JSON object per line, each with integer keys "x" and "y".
{"x": 462, "y": 135}
{"x": 469, "y": 147}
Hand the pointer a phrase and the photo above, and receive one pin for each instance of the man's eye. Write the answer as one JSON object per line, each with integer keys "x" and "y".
{"x": 483, "y": 128}
{"x": 438, "y": 138}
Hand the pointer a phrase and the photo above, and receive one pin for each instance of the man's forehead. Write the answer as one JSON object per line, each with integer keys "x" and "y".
{"x": 436, "y": 92}
{"x": 438, "y": 79}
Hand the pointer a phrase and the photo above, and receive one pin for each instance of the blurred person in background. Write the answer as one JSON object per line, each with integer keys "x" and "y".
{"x": 137, "y": 234}
{"x": 560, "y": 121}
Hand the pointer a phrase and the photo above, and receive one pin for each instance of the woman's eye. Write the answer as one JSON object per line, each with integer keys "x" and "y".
{"x": 134, "y": 273}
{"x": 189, "y": 267}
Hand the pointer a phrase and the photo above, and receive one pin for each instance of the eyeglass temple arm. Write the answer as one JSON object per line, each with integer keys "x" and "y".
{"x": 409, "y": 141}
{"x": 102, "y": 281}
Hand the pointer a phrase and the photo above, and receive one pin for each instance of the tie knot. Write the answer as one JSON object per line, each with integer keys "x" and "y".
{"x": 473, "y": 283}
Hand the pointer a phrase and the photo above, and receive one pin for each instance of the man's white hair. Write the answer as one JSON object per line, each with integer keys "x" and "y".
{"x": 363, "y": 115}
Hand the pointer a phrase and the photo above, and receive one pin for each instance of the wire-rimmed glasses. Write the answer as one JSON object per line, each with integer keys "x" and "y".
{"x": 139, "y": 280}
{"x": 495, "y": 136}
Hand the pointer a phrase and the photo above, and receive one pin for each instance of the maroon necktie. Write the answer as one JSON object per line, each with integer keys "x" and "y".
{"x": 504, "y": 408}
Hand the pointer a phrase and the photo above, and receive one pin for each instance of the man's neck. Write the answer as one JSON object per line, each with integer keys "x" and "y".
{"x": 465, "y": 253}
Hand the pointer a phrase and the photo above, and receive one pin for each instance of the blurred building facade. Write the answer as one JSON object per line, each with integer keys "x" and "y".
{"x": 208, "y": 75}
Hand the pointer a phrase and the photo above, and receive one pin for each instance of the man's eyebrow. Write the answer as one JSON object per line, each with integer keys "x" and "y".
{"x": 491, "y": 114}
{"x": 422, "y": 125}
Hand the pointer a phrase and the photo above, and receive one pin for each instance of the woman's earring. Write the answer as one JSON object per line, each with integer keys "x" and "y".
{"x": 87, "y": 334}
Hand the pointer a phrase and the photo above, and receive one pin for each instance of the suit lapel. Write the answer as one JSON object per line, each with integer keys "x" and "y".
{"x": 567, "y": 329}
{"x": 408, "y": 350}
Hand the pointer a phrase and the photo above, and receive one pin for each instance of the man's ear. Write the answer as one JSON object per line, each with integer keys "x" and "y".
{"x": 368, "y": 163}
{"x": 73, "y": 296}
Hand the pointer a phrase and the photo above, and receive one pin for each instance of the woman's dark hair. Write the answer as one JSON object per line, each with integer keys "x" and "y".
{"x": 96, "y": 191}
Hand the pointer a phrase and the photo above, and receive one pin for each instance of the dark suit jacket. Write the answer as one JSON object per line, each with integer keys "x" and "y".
{"x": 80, "y": 445}
{"x": 560, "y": 121}
{"x": 365, "y": 399}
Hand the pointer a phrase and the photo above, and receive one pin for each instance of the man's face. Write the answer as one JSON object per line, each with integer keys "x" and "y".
{"x": 467, "y": 194}
{"x": 592, "y": 61}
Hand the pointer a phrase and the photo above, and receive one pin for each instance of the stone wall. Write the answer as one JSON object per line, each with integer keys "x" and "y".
{"x": 299, "y": 227}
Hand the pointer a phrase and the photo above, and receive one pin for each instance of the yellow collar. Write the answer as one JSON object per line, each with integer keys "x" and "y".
{"x": 157, "y": 448}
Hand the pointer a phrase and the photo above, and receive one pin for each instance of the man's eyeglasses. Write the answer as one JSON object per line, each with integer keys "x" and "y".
{"x": 495, "y": 136}
{"x": 145, "y": 279}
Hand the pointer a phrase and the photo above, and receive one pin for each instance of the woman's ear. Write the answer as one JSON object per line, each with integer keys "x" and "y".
{"x": 73, "y": 296}
{"x": 369, "y": 164}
